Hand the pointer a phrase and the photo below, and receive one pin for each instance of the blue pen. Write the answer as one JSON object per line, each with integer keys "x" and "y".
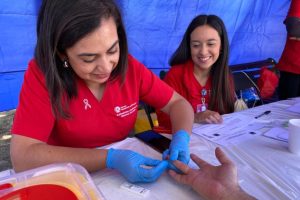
{"x": 262, "y": 114}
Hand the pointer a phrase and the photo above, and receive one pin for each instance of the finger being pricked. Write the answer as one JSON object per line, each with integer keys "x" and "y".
{"x": 181, "y": 166}
{"x": 181, "y": 178}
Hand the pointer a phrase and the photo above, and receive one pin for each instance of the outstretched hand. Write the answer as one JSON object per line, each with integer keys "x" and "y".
{"x": 211, "y": 182}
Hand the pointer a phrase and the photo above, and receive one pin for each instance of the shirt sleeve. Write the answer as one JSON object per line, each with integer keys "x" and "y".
{"x": 173, "y": 79}
{"x": 152, "y": 90}
{"x": 34, "y": 117}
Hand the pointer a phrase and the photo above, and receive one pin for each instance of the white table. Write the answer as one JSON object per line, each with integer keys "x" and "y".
{"x": 267, "y": 170}
{"x": 274, "y": 172}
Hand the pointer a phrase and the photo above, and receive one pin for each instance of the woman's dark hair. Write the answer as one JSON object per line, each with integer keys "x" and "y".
{"x": 222, "y": 95}
{"x": 61, "y": 23}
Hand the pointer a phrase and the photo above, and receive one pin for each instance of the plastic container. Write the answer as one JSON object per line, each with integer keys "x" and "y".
{"x": 56, "y": 181}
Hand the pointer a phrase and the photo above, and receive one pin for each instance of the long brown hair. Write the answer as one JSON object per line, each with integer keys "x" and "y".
{"x": 222, "y": 95}
{"x": 61, "y": 23}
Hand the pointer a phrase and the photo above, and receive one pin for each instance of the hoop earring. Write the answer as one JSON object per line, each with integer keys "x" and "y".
{"x": 66, "y": 64}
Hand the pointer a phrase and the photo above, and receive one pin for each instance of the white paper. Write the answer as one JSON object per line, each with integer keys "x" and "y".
{"x": 233, "y": 126}
{"x": 277, "y": 133}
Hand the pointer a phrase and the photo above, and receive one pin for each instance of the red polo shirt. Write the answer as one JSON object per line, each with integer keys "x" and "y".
{"x": 93, "y": 123}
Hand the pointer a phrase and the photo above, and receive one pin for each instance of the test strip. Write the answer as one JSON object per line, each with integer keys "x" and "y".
{"x": 135, "y": 189}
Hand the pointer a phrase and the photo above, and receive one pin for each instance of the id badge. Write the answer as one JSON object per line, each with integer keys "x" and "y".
{"x": 201, "y": 108}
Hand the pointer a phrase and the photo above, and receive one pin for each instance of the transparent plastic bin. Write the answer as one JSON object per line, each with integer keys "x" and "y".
{"x": 56, "y": 181}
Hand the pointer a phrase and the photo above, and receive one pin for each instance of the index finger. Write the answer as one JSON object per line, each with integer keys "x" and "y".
{"x": 199, "y": 161}
{"x": 181, "y": 166}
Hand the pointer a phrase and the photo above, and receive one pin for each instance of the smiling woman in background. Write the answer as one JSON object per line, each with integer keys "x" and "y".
{"x": 82, "y": 90}
{"x": 200, "y": 71}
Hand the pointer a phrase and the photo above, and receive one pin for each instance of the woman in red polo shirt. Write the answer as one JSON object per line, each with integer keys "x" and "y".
{"x": 200, "y": 73}
{"x": 82, "y": 91}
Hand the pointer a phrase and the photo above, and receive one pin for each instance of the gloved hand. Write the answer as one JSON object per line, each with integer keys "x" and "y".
{"x": 179, "y": 148}
{"x": 130, "y": 165}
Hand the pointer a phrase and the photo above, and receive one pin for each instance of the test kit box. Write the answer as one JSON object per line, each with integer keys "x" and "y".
{"x": 65, "y": 181}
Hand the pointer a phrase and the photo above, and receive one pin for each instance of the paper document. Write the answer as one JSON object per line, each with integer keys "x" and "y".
{"x": 277, "y": 133}
{"x": 233, "y": 126}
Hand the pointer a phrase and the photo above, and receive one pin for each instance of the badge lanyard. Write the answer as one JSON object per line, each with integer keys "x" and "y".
{"x": 203, "y": 106}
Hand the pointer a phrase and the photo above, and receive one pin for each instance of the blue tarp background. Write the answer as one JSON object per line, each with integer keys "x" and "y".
{"x": 154, "y": 30}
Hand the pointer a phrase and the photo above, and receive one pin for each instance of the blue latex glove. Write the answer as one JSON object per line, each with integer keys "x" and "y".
{"x": 179, "y": 147}
{"x": 130, "y": 165}
{"x": 165, "y": 155}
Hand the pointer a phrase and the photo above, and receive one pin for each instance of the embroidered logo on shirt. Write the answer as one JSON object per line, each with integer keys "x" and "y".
{"x": 86, "y": 104}
{"x": 117, "y": 109}
{"x": 125, "y": 110}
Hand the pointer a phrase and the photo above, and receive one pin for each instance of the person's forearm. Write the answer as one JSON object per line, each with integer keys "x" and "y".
{"x": 42, "y": 154}
{"x": 181, "y": 116}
